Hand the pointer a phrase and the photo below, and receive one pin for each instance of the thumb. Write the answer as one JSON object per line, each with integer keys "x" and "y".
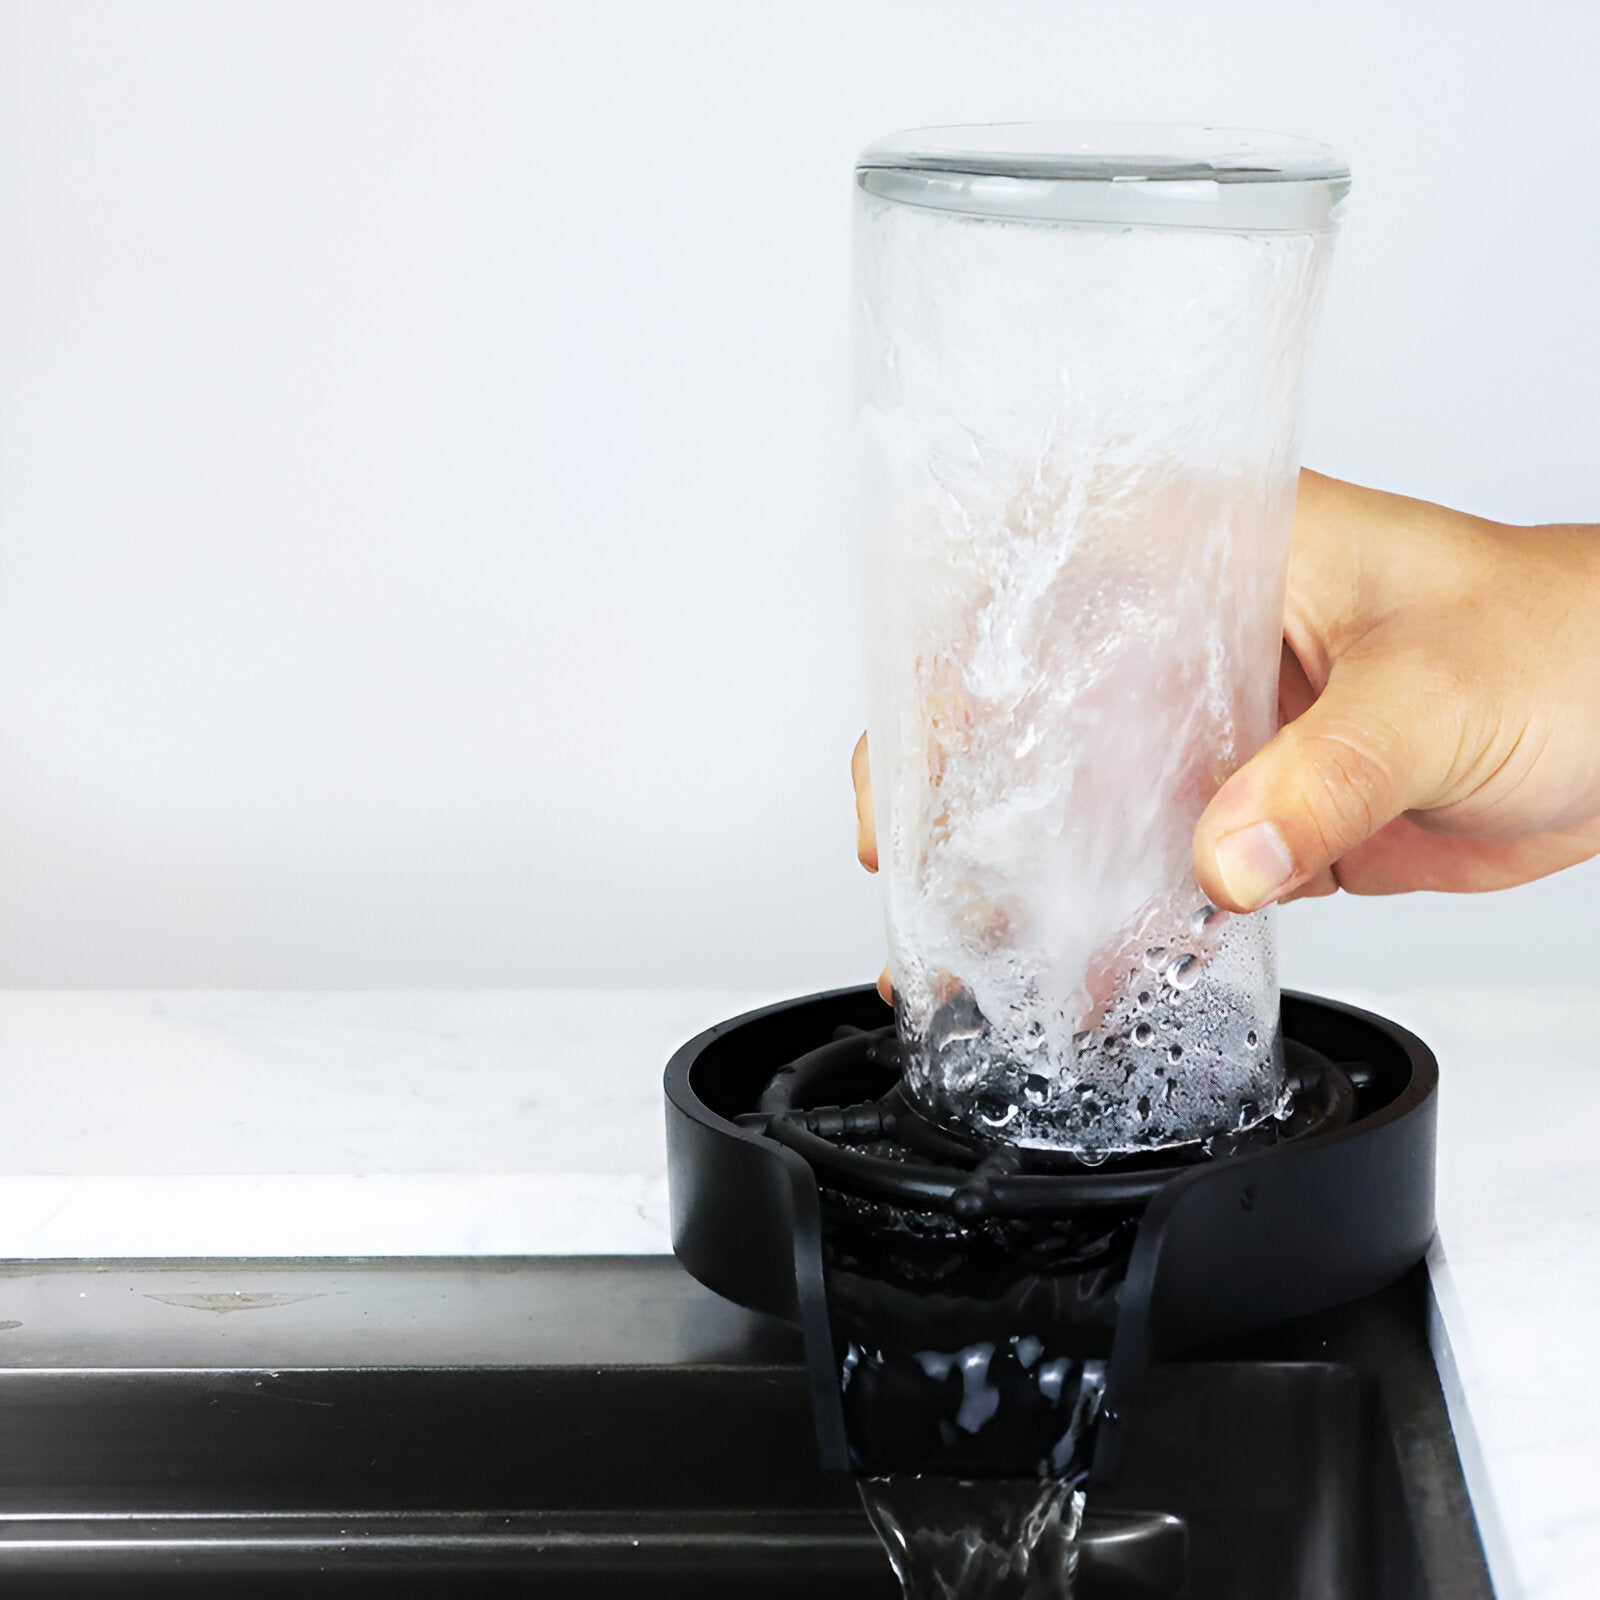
{"x": 1359, "y": 756}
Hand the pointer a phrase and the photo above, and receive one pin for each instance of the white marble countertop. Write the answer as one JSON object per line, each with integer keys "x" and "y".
{"x": 530, "y": 1122}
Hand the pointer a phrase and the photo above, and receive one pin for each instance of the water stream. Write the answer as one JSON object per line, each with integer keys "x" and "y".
{"x": 974, "y": 1464}
{"x": 979, "y": 1539}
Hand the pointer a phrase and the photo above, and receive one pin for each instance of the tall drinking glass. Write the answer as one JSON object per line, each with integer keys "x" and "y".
{"x": 1082, "y": 356}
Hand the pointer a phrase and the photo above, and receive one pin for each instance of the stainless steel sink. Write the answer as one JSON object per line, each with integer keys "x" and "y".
{"x": 606, "y": 1427}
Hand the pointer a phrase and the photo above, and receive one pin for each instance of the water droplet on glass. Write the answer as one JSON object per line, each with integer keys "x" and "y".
{"x": 1184, "y": 973}
{"x": 1252, "y": 1038}
{"x": 1143, "y": 1033}
{"x": 1145, "y": 1000}
{"x": 1174, "y": 1053}
{"x": 1154, "y": 958}
{"x": 1203, "y": 918}
{"x": 1080, "y": 1041}
{"x": 1036, "y": 1088}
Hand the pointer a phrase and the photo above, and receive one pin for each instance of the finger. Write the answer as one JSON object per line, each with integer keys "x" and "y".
{"x": 1406, "y": 856}
{"x": 1295, "y": 689}
{"x": 1373, "y": 745}
{"x": 1317, "y": 885}
{"x": 885, "y": 988}
{"x": 866, "y": 822}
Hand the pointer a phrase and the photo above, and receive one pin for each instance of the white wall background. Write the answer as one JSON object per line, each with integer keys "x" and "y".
{"x": 425, "y": 554}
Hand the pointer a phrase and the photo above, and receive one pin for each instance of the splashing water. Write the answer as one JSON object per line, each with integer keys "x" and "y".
{"x": 982, "y": 1539}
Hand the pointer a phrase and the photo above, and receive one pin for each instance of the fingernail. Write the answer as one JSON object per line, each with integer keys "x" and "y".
{"x": 1254, "y": 864}
{"x": 867, "y": 851}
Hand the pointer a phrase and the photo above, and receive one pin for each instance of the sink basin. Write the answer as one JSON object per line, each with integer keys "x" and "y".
{"x": 607, "y": 1427}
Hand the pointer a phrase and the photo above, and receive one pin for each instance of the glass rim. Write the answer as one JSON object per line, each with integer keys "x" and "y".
{"x": 1175, "y": 175}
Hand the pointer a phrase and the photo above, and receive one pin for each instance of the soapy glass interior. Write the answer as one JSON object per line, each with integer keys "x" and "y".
{"x": 1080, "y": 446}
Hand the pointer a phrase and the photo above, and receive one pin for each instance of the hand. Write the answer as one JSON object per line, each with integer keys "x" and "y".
{"x": 1440, "y": 709}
